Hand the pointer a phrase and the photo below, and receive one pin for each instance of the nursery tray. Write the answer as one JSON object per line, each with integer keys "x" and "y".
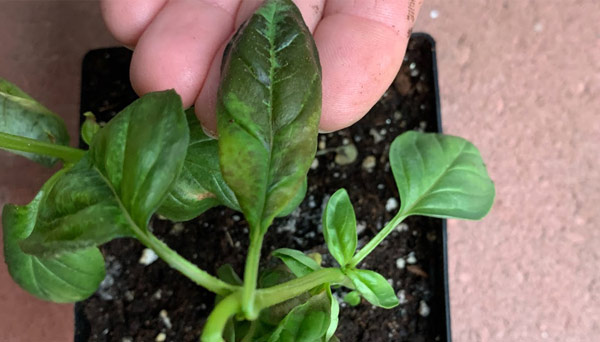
{"x": 133, "y": 300}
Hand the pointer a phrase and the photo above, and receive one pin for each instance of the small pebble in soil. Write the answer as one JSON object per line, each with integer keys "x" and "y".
{"x": 402, "y": 227}
{"x": 161, "y": 337}
{"x": 236, "y": 218}
{"x": 129, "y": 296}
{"x": 127, "y": 339}
{"x": 157, "y": 295}
{"x": 360, "y": 227}
{"x": 177, "y": 228}
{"x": 380, "y": 186}
{"x": 315, "y": 164}
{"x": 411, "y": 259}
{"x": 369, "y": 163}
{"x": 391, "y": 204}
{"x": 401, "y": 297}
{"x": 322, "y": 143}
{"x": 400, "y": 263}
{"x": 377, "y": 138}
{"x": 148, "y": 257}
{"x": 424, "y": 309}
{"x": 164, "y": 317}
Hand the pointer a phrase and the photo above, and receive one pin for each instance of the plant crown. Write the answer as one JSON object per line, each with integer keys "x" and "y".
{"x": 153, "y": 157}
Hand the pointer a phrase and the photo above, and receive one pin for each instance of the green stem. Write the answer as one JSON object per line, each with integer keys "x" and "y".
{"x": 251, "y": 274}
{"x": 376, "y": 240}
{"x": 182, "y": 265}
{"x": 18, "y": 143}
{"x": 215, "y": 324}
{"x": 293, "y": 288}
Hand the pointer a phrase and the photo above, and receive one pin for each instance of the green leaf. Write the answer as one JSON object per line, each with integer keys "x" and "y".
{"x": 308, "y": 322}
{"x": 268, "y": 110}
{"x": 296, "y": 201}
{"x": 141, "y": 151}
{"x": 299, "y": 263}
{"x": 352, "y": 298}
{"x": 69, "y": 277}
{"x": 373, "y": 287}
{"x": 23, "y": 116}
{"x": 114, "y": 189}
{"x": 200, "y": 185}
{"x": 440, "y": 176}
{"x": 334, "y": 313}
{"x": 339, "y": 227}
{"x": 89, "y": 128}
{"x": 228, "y": 274}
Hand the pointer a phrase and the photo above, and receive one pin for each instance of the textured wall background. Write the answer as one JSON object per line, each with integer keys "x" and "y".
{"x": 521, "y": 79}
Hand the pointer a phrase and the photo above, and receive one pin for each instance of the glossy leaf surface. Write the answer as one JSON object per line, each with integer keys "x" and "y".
{"x": 373, "y": 287}
{"x": 441, "y": 176}
{"x": 23, "y": 116}
{"x": 339, "y": 227}
{"x": 299, "y": 263}
{"x": 334, "y": 313}
{"x": 268, "y": 110}
{"x": 141, "y": 151}
{"x": 200, "y": 185}
{"x": 66, "y": 278}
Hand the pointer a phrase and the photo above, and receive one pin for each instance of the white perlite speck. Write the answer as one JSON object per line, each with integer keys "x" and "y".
{"x": 315, "y": 164}
{"x": 411, "y": 259}
{"x": 391, "y": 204}
{"x": 360, "y": 227}
{"x": 400, "y": 263}
{"x": 424, "y": 309}
{"x": 164, "y": 317}
{"x": 161, "y": 337}
{"x": 401, "y": 297}
{"x": 402, "y": 227}
{"x": 148, "y": 257}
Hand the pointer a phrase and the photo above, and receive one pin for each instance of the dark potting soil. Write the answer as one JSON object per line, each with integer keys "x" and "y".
{"x": 138, "y": 302}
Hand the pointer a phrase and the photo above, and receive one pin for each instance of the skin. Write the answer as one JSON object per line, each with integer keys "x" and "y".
{"x": 179, "y": 43}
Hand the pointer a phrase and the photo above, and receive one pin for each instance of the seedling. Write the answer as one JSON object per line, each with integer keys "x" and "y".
{"x": 153, "y": 157}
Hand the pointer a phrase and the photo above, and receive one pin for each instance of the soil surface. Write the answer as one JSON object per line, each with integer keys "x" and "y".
{"x": 139, "y": 302}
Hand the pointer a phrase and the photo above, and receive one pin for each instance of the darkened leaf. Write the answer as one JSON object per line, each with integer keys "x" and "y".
{"x": 299, "y": 263}
{"x": 100, "y": 198}
{"x": 200, "y": 185}
{"x": 66, "y": 278}
{"x": 268, "y": 110}
{"x": 339, "y": 227}
{"x": 373, "y": 287}
{"x": 441, "y": 176}
{"x": 141, "y": 151}
{"x": 23, "y": 116}
{"x": 296, "y": 201}
{"x": 228, "y": 274}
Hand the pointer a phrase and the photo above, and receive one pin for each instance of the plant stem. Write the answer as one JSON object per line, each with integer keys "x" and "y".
{"x": 376, "y": 240}
{"x": 215, "y": 324}
{"x": 251, "y": 274}
{"x": 18, "y": 143}
{"x": 188, "y": 269}
{"x": 293, "y": 288}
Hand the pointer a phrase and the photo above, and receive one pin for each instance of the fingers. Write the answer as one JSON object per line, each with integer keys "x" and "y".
{"x": 205, "y": 105}
{"x": 361, "y": 45}
{"x": 127, "y": 20}
{"x": 178, "y": 47}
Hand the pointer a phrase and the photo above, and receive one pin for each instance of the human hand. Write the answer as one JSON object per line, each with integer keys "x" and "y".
{"x": 179, "y": 43}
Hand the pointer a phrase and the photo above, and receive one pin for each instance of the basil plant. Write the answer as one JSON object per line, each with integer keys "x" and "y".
{"x": 153, "y": 157}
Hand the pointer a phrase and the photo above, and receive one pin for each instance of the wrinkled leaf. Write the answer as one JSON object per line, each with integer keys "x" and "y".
{"x": 305, "y": 323}
{"x": 339, "y": 227}
{"x": 89, "y": 128}
{"x": 141, "y": 151}
{"x": 268, "y": 110}
{"x": 200, "y": 185}
{"x": 373, "y": 287}
{"x": 299, "y": 263}
{"x": 67, "y": 278}
{"x": 100, "y": 198}
{"x": 23, "y": 116}
{"x": 440, "y": 176}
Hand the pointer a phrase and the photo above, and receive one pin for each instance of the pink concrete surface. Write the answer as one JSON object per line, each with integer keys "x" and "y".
{"x": 521, "y": 79}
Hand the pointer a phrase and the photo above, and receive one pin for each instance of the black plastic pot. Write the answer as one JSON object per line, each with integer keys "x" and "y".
{"x": 105, "y": 76}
